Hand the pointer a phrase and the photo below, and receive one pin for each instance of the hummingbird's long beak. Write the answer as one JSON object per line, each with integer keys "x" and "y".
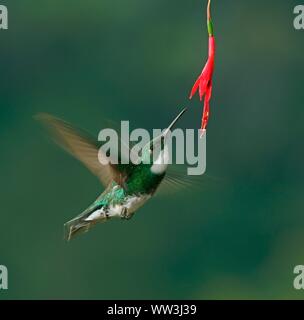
{"x": 174, "y": 122}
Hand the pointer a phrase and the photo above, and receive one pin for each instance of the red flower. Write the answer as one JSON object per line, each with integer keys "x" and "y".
{"x": 204, "y": 82}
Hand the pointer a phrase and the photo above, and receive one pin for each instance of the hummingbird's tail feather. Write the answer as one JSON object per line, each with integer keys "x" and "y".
{"x": 83, "y": 223}
{"x": 76, "y": 227}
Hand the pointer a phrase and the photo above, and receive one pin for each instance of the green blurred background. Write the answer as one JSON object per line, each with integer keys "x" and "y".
{"x": 136, "y": 60}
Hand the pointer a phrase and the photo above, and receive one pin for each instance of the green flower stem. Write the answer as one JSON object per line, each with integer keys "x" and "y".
{"x": 210, "y": 28}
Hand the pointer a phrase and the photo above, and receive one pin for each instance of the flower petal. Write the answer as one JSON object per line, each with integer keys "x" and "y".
{"x": 202, "y": 88}
{"x": 206, "y": 112}
{"x": 195, "y": 87}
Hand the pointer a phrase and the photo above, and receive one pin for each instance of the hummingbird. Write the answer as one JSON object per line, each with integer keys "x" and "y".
{"x": 127, "y": 186}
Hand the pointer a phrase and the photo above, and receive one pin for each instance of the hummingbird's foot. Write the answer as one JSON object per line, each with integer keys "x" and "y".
{"x": 106, "y": 214}
{"x": 124, "y": 213}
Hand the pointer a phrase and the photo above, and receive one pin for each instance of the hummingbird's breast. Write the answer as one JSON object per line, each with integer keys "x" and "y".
{"x": 116, "y": 203}
{"x": 143, "y": 181}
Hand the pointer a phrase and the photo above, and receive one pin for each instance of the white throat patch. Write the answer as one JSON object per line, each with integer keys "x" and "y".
{"x": 161, "y": 163}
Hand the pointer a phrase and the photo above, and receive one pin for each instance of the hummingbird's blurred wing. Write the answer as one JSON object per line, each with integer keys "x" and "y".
{"x": 176, "y": 179}
{"x": 83, "y": 147}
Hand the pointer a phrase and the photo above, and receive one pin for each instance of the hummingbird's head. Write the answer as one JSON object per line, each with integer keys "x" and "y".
{"x": 156, "y": 152}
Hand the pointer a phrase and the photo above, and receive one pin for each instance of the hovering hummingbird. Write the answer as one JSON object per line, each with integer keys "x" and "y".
{"x": 127, "y": 186}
